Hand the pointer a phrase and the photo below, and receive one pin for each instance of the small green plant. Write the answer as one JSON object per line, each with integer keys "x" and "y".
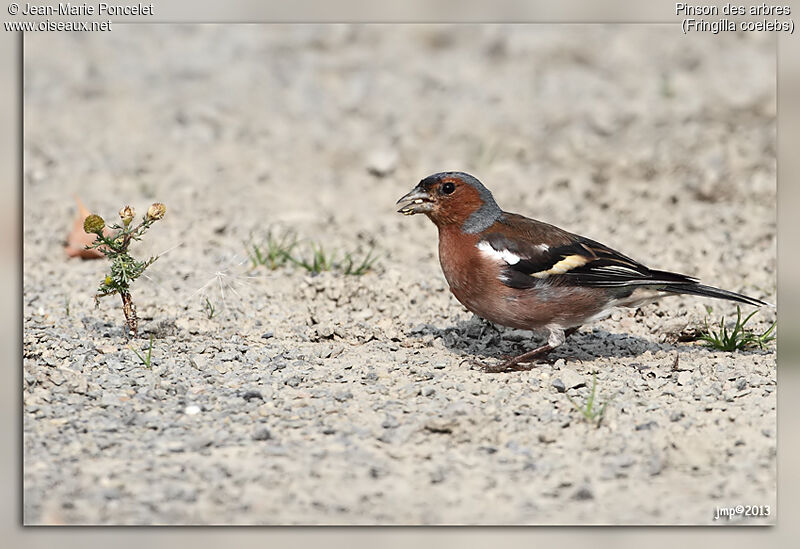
{"x": 319, "y": 261}
{"x": 589, "y": 412}
{"x": 274, "y": 252}
{"x": 144, "y": 359}
{"x": 738, "y": 338}
{"x": 114, "y": 245}
{"x": 210, "y": 309}
{"x": 350, "y": 266}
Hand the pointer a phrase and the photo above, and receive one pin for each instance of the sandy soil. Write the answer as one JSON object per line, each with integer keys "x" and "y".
{"x": 337, "y": 399}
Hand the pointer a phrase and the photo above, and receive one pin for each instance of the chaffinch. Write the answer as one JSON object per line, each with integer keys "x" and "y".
{"x": 530, "y": 275}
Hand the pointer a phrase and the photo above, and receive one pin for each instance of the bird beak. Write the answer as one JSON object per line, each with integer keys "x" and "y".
{"x": 417, "y": 201}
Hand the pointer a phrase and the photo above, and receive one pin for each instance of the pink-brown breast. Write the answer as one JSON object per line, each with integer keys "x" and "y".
{"x": 472, "y": 279}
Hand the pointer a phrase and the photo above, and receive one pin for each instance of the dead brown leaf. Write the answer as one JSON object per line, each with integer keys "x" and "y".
{"x": 78, "y": 239}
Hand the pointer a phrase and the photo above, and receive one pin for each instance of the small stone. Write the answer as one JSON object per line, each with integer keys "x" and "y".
{"x": 343, "y": 396}
{"x": 676, "y": 416}
{"x": 655, "y": 465}
{"x": 221, "y": 368}
{"x": 684, "y": 378}
{"x": 559, "y": 385}
{"x": 458, "y": 408}
{"x": 267, "y": 335}
{"x": 572, "y": 379}
{"x": 293, "y": 381}
{"x": 250, "y": 395}
{"x": 390, "y": 422}
{"x": 371, "y": 376}
{"x": 227, "y": 356}
{"x": 428, "y": 391}
{"x": 262, "y": 434}
{"x": 742, "y": 385}
{"x": 547, "y": 437}
{"x": 382, "y": 162}
{"x": 198, "y": 443}
{"x": 191, "y": 410}
{"x": 583, "y": 493}
{"x": 57, "y": 377}
{"x": 646, "y": 426}
{"x": 437, "y": 476}
{"x": 109, "y": 399}
{"x": 112, "y": 493}
{"x": 175, "y": 446}
{"x": 440, "y": 425}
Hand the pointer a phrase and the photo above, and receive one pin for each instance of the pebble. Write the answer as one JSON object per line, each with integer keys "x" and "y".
{"x": 583, "y": 493}
{"x": 547, "y": 437}
{"x": 571, "y": 378}
{"x": 199, "y": 442}
{"x": 294, "y": 381}
{"x": 440, "y": 425}
{"x": 262, "y": 433}
{"x": 742, "y": 384}
{"x": 251, "y": 394}
{"x": 57, "y": 377}
{"x": 109, "y": 399}
{"x": 343, "y": 396}
{"x": 382, "y": 162}
{"x": 655, "y": 465}
{"x": 191, "y": 410}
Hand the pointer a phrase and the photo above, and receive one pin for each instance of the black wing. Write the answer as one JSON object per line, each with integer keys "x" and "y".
{"x": 582, "y": 262}
{"x": 569, "y": 259}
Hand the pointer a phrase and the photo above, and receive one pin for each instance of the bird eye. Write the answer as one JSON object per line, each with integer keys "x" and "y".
{"x": 448, "y": 188}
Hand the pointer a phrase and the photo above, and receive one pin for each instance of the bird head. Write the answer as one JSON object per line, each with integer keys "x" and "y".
{"x": 452, "y": 198}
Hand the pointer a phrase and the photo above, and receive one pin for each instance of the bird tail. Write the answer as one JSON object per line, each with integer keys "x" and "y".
{"x": 710, "y": 291}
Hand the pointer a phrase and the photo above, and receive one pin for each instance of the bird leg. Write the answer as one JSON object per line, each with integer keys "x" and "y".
{"x": 557, "y": 337}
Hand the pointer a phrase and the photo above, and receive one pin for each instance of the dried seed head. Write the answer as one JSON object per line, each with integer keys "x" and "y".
{"x": 93, "y": 224}
{"x": 127, "y": 214}
{"x": 156, "y": 211}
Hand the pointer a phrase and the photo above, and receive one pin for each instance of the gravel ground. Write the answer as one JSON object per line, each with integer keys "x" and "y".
{"x": 336, "y": 399}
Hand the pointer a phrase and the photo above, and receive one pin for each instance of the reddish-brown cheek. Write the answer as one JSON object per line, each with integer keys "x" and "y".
{"x": 456, "y": 209}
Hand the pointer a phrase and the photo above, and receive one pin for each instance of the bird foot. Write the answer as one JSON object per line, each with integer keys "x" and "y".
{"x": 521, "y": 363}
